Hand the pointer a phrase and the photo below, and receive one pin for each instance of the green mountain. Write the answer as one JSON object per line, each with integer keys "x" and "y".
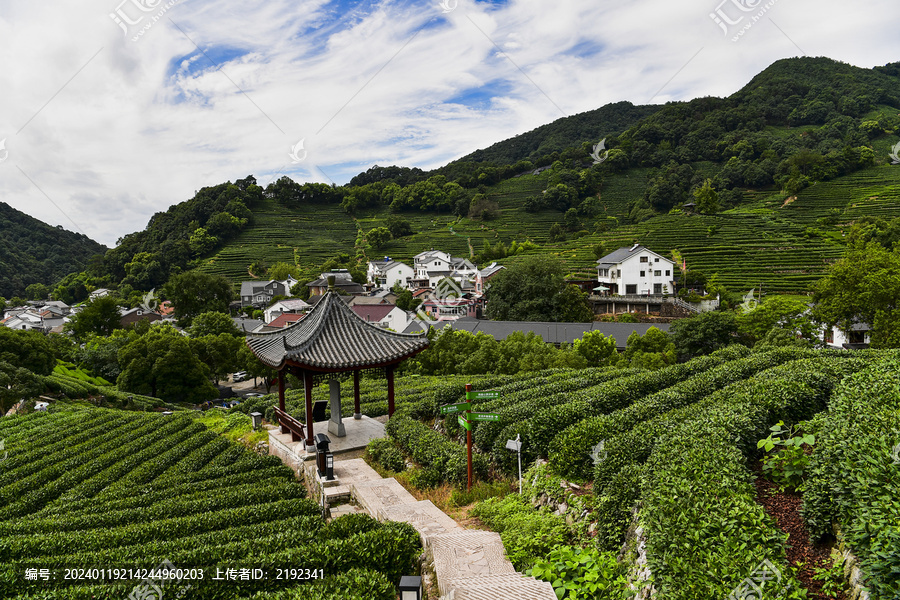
{"x": 33, "y": 252}
{"x": 787, "y": 164}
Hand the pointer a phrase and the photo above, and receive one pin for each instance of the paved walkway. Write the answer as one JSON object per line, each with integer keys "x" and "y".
{"x": 470, "y": 564}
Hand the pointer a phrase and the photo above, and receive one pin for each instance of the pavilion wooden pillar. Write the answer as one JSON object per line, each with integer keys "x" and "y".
{"x": 356, "y": 412}
{"x": 308, "y": 385}
{"x": 281, "y": 388}
{"x": 390, "y": 380}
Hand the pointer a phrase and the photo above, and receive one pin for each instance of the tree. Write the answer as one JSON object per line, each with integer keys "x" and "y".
{"x": 27, "y": 349}
{"x": 196, "y": 292}
{"x": 556, "y": 234}
{"x": 535, "y": 289}
{"x": 161, "y": 364}
{"x": 704, "y": 333}
{"x": 17, "y": 383}
{"x": 399, "y": 227}
{"x": 777, "y": 312}
{"x": 213, "y": 323}
{"x": 202, "y": 242}
{"x": 405, "y": 301}
{"x": 220, "y": 353}
{"x": 571, "y": 219}
{"x": 653, "y": 350}
{"x": 281, "y": 271}
{"x": 597, "y": 349}
{"x": 706, "y": 198}
{"x": 256, "y": 369}
{"x": 100, "y": 355}
{"x": 863, "y": 287}
{"x": 37, "y": 291}
{"x": 100, "y": 316}
{"x": 378, "y": 237}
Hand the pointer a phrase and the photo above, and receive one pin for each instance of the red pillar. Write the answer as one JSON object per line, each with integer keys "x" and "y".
{"x": 281, "y": 375}
{"x": 356, "y": 411}
{"x": 470, "y": 473}
{"x": 307, "y": 385}
{"x": 390, "y": 378}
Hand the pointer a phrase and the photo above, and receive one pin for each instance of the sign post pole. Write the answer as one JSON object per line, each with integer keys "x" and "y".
{"x": 469, "y": 440}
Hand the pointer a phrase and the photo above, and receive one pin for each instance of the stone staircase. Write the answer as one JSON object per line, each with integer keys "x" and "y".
{"x": 470, "y": 564}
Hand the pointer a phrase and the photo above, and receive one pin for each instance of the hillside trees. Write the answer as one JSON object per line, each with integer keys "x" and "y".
{"x": 26, "y": 349}
{"x": 704, "y": 333}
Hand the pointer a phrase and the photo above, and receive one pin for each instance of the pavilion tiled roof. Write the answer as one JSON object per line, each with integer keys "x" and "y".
{"x": 334, "y": 338}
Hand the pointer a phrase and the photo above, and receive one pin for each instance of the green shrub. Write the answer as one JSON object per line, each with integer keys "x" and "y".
{"x": 527, "y": 533}
{"x": 581, "y": 573}
{"x": 435, "y": 453}
{"x": 385, "y": 453}
{"x": 788, "y": 465}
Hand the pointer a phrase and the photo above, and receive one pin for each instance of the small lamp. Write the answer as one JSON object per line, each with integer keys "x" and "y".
{"x": 410, "y": 587}
{"x": 329, "y": 466}
{"x": 257, "y": 419}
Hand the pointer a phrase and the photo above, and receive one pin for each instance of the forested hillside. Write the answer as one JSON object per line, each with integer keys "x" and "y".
{"x": 760, "y": 188}
{"x": 33, "y": 252}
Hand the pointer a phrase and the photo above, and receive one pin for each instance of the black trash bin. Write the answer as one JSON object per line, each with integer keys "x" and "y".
{"x": 322, "y": 441}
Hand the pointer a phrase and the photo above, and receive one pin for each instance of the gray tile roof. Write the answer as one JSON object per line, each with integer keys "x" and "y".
{"x": 552, "y": 333}
{"x": 333, "y": 337}
{"x": 617, "y": 256}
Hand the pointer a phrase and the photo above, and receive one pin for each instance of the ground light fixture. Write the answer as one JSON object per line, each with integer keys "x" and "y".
{"x": 257, "y": 419}
{"x": 411, "y": 587}
{"x": 516, "y": 446}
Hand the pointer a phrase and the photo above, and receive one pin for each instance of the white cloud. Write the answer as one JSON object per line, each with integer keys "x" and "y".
{"x": 144, "y": 124}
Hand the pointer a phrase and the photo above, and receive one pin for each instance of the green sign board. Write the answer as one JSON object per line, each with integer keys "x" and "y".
{"x": 477, "y": 416}
{"x": 486, "y": 395}
{"x": 455, "y": 408}
{"x": 464, "y": 424}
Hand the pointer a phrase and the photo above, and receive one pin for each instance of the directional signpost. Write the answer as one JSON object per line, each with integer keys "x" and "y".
{"x": 465, "y": 416}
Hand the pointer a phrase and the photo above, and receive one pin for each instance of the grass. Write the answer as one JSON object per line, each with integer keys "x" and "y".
{"x": 235, "y": 426}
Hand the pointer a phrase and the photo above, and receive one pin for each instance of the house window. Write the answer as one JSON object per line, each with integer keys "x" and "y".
{"x": 657, "y": 273}
{"x": 667, "y": 273}
{"x": 655, "y": 260}
{"x": 829, "y": 335}
{"x": 643, "y": 273}
{"x": 631, "y": 288}
{"x": 644, "y": 259}
{"x": 657, "y": 288}
{"x": 604, "y": 273}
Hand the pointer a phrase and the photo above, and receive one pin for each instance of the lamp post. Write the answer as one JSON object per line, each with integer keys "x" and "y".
{"x": 410, "y": 587}
{"x": 516, "y": 446}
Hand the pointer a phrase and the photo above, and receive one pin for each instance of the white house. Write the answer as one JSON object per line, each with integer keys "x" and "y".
{"x": 99, "y": 293}
{"x": 386, "y": 273}
{"x": 288, "y": 306}
{"x": 636, "y": 270}
{"x": 433, "y": 265}
{"x": 388, "y": 316}
{"x": 857, "y": 337}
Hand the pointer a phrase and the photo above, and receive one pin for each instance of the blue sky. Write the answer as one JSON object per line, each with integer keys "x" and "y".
{"x": 114, "y": 110}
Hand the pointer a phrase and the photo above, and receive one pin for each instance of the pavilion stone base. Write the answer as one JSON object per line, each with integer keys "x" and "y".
{"x": 358, "y": 435}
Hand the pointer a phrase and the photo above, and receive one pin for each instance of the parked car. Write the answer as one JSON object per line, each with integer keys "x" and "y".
{"x": 253, "y": 395}
{"x": 239, "y": 376}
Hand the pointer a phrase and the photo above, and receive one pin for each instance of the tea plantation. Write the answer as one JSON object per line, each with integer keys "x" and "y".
{"x": 99, "y": 488}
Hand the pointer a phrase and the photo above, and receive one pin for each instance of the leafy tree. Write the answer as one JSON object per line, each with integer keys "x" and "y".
{"x": 704, "y": 333}
{"x": 281, "y": 271}
{"x": 213, "y": 323}
{"x": 100, "y": 316}
{"x": 2, "y": 304}
{"x": 220, "y": 353}
{"x": 196, "y": 292}
{"x": 556, "y": 234}
{"x": 863, "y": 287}
{"x": 779, "y": 337}
{"x": 653, "y": 350}
{"x": 378, "y": 236}
{"x": 27, "y": 349}
{"x": 37, "y": 291}
{"x": 399, "y": 227}
{"x": 597, "y": 349}
{"x": 249, "y": 363}
{"x": 706, "y": 198}
{"x": 100, "y": 355}
{"x": 535, "y": 289}
{"x": 571, "y": 219}
{"x": 161, "y": 364}
{"x": 300, "y": 289}
{"x": 482, "y": 207}
{"x": 778, "y": 312}
{"x": 405, "y": 301}
{"x": 17, "y": 383}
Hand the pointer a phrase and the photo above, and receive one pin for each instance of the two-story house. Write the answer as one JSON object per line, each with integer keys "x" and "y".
{"x": 636, "y": 270}
{"x": 386, "y": 273}
{"x": 432, "y": 266}
{"x": 260, "y": 293}
{"x": 343, "y": 281}
{"x": 288, "y": 306}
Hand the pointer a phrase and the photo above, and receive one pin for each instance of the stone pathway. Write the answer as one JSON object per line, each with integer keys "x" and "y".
{"x": 470, "y": 564}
